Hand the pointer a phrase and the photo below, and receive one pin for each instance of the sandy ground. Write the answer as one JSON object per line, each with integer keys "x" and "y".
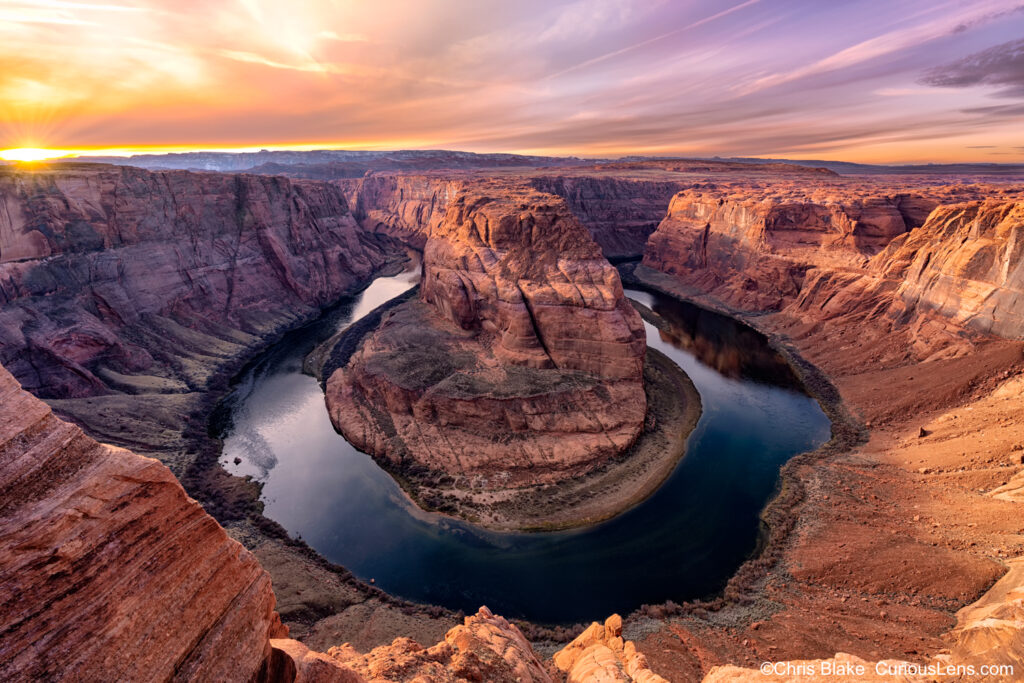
{"x": 893, "y": 536}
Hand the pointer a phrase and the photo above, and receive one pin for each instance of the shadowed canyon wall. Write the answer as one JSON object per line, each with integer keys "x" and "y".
{"x": 620, "y": 213}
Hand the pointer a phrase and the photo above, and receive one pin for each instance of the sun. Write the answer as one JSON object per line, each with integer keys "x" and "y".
{"x": 32, "y": 154}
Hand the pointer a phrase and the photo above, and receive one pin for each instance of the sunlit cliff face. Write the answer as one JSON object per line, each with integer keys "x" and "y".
{"x": 907, "y": 80}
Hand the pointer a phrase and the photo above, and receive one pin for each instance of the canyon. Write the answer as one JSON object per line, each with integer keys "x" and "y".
{"x": 129, "y": 298}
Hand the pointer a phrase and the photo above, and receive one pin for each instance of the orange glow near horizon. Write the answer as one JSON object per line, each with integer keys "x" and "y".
{"x": 906, "y": 82}
{"x": 33, "y": 154}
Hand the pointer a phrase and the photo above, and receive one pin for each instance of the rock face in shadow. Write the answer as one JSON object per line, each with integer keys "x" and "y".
{"x": 404, "y": 206}
{"x": 620, "y": 213}
{"x": 521, "y": 363}
{"x": 121, "y": 279}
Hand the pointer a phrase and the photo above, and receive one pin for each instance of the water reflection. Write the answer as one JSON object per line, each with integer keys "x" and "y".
{"x": 733, "y": 349}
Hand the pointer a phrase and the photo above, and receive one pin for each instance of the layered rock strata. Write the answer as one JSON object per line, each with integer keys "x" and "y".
{"x": 107, "y": 273}
{"x": 109, "y": 571}
{"x": 756, "y": 245}
{"x": 128, "y": 298}
{"x": 118, "y": 282}
{"x": 924, "y": 266}
{"x": 521, "y": 363}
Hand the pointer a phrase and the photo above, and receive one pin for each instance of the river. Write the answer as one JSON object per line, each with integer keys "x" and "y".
{"x": 683, "y": 542}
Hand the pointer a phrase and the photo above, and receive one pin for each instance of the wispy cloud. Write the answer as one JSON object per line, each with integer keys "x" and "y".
{"x": 902, "y": 80}
{"x": 650, "y": 41}
{"x": 894, "y": 41}
{"x": 253, "y": 58}
{"x": 1001, "y": 66}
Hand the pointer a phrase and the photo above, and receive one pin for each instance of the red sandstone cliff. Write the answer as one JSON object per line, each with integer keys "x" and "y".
{"x": 124, "y": 279}
{"x": 109, "y": 571}
{"x": 966, "y": 264}
{"x": 405, "y": 206}
{"x": 755, "y": 244}
{"x": 523, "y": 362}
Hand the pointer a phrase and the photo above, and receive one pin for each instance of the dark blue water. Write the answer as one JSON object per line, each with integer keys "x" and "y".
{"x": 682, "y": 543}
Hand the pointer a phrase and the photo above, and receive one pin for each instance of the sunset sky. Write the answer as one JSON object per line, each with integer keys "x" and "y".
{"x": 877, "y": 81}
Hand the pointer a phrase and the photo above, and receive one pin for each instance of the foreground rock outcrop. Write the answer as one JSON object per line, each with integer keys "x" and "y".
{"x": 520, "y": 364}
{"x": 109, "y": 571}
{"x": 600, "y": 654}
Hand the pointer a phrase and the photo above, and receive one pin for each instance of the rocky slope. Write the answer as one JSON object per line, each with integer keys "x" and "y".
{"x": 890, "y": 538}
{"x": 520, "y": 364}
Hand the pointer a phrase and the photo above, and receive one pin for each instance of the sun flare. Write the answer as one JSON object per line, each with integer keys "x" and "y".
{"x": 32, "y": 154}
